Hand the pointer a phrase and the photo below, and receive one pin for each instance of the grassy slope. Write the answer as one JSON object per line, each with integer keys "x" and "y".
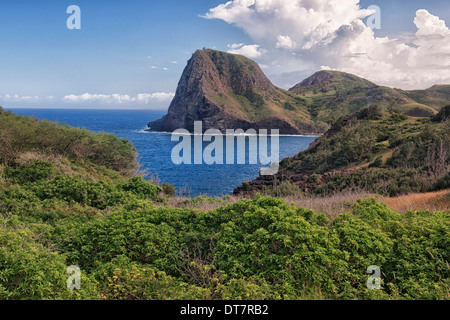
{"x": 346, "y": 94}
{"x": 75, "y": 151}
{"x": 435, "y": 97}
{"x": 388, "y": 154}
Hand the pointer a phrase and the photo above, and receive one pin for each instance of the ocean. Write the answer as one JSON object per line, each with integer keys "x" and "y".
{"x": 155, "y": 149}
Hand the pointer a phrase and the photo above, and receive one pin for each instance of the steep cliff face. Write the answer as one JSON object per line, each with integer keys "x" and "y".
{"x": 227, "y": 91}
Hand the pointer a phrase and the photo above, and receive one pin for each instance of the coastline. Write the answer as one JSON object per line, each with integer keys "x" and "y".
{"x": 312, "y": 135}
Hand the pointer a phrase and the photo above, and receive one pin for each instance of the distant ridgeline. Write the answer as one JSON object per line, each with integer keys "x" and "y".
{"x": 373, "y": 150}
{"x": 228, "y": 91}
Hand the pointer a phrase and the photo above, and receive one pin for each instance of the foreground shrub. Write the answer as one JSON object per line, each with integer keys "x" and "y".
{"x": 29, "y": 271}
{"x": 127, "y": 280}
{"x": 143, "y": 189}
{"x": 73, "y": 189}
{"x": 35, "y": 171}
{"x": 168, "y": 189}
{"x": 252, "y": 249}
{"x": 443, "y": 183}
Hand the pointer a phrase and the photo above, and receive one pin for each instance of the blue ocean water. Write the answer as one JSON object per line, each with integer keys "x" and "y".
{"x": 155, "y": 149}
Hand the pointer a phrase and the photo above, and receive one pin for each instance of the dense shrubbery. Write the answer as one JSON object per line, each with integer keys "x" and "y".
{"x": 387, "y": 153}
{"x": 37, "y": 170}
{"x": 385, "y": 181}
{"x": 443, "y": 115}
{"x": 443, "y": 183}
{"x": 72, "y": 190}
{"x": 54, "y": 214}
{"x": 254, "y": 249}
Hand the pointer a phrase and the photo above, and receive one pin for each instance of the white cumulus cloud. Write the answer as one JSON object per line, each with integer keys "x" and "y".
{"x": 146, "y": 98}
{"x": 142, "y": 98}
{"x": 298, "y": 37}
{"x": 250, "y": 51}
{"x": 24, "y": 98}
{"x": 285, "y": 42}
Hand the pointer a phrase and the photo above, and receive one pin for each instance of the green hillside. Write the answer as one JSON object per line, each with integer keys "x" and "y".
{"x": 330, "y": 95}
{"x": 435, "y": 97}
{"x": 375, "y": 151}
{"x": 71, "y": 197}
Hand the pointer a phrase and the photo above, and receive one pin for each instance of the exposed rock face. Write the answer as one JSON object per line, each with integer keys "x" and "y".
{"x": 227, "y": 91}
{"x": 199, "y": 76}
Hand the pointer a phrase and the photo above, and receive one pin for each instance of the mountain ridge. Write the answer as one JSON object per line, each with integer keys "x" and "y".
{"x": 228, "y": 91}
{"x": 333, "y": 94}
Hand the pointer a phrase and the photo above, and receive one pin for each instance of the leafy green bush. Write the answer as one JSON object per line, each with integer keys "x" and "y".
{"x": 377, "y": 163}
{"x": 133, "y": 234}
{"x": 314, "y": 178}
{"x": 30, "y": 271}
{"x": 74, "y": 189}
{"x": 373, "y": 112}
{"x": 143, "y": 189}
{"x": 168, "y": 189}
{"x": 127, "y": 280}
{"x": 443, "y": 183}
{"x": 35, "y": 171}
{"x": 252, "y": 249}
{"x": 418, "y": 267}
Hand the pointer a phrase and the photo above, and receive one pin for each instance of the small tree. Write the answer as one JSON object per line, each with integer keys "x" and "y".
{"x": 168, "y": 189}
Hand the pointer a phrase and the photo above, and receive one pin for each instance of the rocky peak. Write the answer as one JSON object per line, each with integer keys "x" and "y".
{"x": 229, "y": 91}
{"x": 238, "y": 73}
{"x": 318, "y": 78}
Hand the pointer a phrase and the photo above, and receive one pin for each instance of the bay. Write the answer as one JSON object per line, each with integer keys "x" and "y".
{"x": 155, "y": 149}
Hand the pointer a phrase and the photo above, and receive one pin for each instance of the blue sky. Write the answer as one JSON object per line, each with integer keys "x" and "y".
{"x": 136, "y": 47}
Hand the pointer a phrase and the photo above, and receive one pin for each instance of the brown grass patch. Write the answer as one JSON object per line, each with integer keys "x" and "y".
{"x": 334, "y": 205}
{"x": 432, "y": 201}
{"x": 28, "y": 157}
{"x": 331, "y": 206}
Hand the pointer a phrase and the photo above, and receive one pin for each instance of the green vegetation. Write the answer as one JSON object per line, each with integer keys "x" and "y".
{"x": 59, "y": 207}
{"x": 443, "y": 115}
{"x": 254, "y": 249}
{"x": 25, "y": 138}
{"x": 330, "y": 95}
{"x": 435, "y": 97}
{"x": 375, "y": 151}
